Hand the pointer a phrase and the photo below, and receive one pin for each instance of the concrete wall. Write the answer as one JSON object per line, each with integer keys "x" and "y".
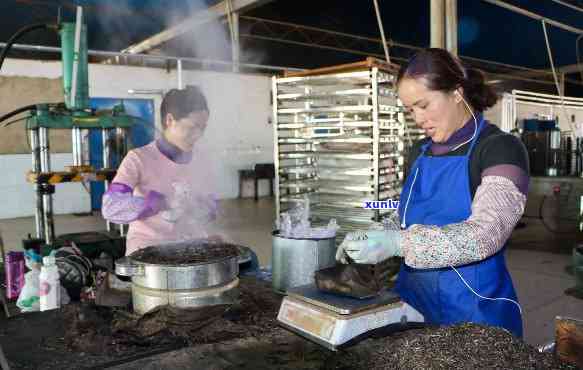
{"x": 237, "y": 137}
{"x": 17, "y": 91}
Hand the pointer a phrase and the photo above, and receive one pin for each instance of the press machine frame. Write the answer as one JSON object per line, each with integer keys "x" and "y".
{"x": 77, "y": 116}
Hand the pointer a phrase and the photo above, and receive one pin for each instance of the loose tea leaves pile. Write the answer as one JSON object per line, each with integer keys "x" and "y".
{"x": 251, "y": 326}
{"x": 95, "y": 329}
{"x": 185, "y": 253}
{"x": 467, "y": 346}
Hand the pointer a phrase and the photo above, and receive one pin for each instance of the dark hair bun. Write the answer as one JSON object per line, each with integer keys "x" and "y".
{"x": 480, "y": 95}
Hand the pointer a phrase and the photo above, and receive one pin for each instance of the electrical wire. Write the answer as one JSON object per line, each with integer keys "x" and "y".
{"x": 486, "y": 298}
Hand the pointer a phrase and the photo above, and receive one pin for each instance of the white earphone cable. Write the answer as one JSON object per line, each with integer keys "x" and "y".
{"x": 487, "y": 298}
{"x": 404, "y": 224}
{"x": 475, "y": 123}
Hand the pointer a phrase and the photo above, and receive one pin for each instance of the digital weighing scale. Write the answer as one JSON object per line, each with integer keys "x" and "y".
{"x": 332, "y": 320}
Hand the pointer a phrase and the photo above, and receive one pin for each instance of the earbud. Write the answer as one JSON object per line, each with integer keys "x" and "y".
{"x": 460, "y": 97}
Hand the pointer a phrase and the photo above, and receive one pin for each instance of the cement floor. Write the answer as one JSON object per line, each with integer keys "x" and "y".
{"x": 540, "y": 276}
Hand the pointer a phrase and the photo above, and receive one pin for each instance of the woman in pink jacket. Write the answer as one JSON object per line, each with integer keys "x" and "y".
{"x": 164, "y": 190}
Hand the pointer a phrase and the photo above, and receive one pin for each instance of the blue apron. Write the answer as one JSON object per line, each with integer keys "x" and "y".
{"x": 437, "y": 191}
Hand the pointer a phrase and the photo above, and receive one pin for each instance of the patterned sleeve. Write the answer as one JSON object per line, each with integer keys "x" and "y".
{"x": 496, "y": 209}
{"x": 121, "y": 207}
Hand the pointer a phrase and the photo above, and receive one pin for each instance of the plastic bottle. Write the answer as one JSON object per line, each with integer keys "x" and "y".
{"x": 50, "y": 287}
{"x": 14, "y": 274}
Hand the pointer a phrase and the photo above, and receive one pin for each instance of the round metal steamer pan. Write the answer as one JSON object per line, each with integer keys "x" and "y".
{"x": 182, "y": 276}
{"x": 145, "y": 300}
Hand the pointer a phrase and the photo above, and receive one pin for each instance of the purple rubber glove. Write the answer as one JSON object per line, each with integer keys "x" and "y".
{"x": 155, "y": 202}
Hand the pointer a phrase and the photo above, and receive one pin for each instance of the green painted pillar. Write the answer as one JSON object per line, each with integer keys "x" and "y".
{"x": 81, "y": 101}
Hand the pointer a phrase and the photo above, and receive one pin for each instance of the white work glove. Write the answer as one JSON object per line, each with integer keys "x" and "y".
{"x": 174, "y": 211}
{"x": 177, "y": 203}
{"x": 369, "y": 247}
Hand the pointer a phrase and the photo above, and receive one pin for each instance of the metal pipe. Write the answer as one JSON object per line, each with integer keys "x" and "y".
{"x": 235, "y": 47}
{"x": 102, "y": 53}
{"x": 48, "y": 219}
{"x": 546, "y": 105}
{"x": 34, "y": 145}
{"x": 566, "y": 98}
{"x": 556, "y": 78}
{"x": 564, "y": 3}
{"x": 376, "y": 133}
{"x": 105, "y": 133}
{"x": 212, "y": 13}
{"x": 451, "y": 26}
{"x": 375, "y": 40}
{"x": 121, "y": 141}
{"x": 74, "y": 146}
{"x": 76, "y": 137}
{"x": 45, "y": 162}
{"x": 85, "y": 146}
{"x": 179, "y": 74}
{"x": 76, "y": 58}
{"x": 380, "y": 23}
{"x": 39, "y": 209}
{"x": 334, "y": 33}
{"x": 51, "y": 49}
{"x": 532, "y": 15}
{"x": 437, "y": 23}
{"x": 275, "y": 147}
{"x": 121, "y": 138}
{"x": 106, "y": 145}
{"x": 551, "y": 101}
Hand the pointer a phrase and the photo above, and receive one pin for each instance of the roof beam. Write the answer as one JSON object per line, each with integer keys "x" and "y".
{"x": 564, "y": 3}
{"x": 535, "y": 16}
{"x": 572, "y": 68}
{"x": 214, "y": 12}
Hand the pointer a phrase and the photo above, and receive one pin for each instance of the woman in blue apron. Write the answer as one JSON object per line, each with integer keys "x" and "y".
{"x": 464, "y": 194}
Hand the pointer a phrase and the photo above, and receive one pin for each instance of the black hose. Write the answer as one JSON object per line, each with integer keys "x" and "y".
{"x": 24, "y": 109}
{"x": 7, "y": 48}
{"x": 16, "y": 120}
{"x": 15, "y": 112}
{"x": 21, "y": 32}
